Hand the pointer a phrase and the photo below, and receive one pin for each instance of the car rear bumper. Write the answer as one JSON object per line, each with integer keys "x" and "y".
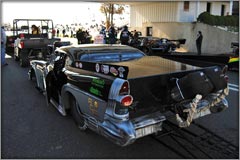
{"x": 126, "y": 132}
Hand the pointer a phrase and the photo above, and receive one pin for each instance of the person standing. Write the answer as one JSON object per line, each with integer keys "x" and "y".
{"x": 124, "y": 36}
{"x": 199, "y": 42}
{"x": 63, "y": 32}
{"x": 35, "y": 29}
{"x": 3, "y": 46}
{"x": 135, "y": 37}
{"x": 71, "y": 33}
{"x": 103, "y": 33}
{"x": 57, "y": 32}
{"x": 111, "y": 34}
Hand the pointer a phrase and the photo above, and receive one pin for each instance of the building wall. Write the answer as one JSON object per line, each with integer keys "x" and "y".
{"x": 215, "y": 40}
{"x": 168, "y": 20}
{"x": 216, "y": 8}
{"x": 172, "y": 11}
{"x": 196, "y": 8}
{"x": 187, "y": 16}
{"x": 152, "y": 12}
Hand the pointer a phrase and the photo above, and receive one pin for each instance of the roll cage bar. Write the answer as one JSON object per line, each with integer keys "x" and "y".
{"x": 16, "y": 29}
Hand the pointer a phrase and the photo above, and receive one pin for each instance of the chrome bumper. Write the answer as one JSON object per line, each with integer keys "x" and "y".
{"x": 126, "y": 132}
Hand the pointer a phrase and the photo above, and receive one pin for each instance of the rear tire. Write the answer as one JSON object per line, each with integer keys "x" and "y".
{"x": 77, "y": 114}
{"x": 147, "y": 50}
{"x": 23, "y": 61}
{"x": 31, "y": 74}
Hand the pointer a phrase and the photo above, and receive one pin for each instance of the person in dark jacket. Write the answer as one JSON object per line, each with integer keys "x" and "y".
{"x": 112, "y": 35}
{"x": 80, "y": 36}
{"x": 199, "y": 42}
{"x": 124, "y": 36}
{"x": 63, "y": 32}
{"x": 57, "y": 32}
{"x": 103, "y": 32}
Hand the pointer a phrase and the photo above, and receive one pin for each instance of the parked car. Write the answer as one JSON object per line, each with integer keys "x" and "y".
{"x": 122, "y": 94}
{"x": 235, "y": 47}
{"x": 233, "y": 63}
{"x": 155, "y": 46}
{"x": 29, "y": 46}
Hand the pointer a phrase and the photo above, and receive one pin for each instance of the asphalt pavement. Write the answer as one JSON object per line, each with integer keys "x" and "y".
{"x": 31, "y": 129}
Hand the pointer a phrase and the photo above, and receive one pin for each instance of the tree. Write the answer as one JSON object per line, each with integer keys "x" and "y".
{"x": 109, "y": 9}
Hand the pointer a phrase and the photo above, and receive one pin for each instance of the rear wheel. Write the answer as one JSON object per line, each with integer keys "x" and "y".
{"x": 147, "y": 50}
{"x": 31, "y": 74}
{"x": 23, "y": 61}
{"x": 77, "y": 114}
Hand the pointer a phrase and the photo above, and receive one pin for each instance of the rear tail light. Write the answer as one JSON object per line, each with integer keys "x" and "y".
{"x": 22, "y": 44}
{"x": 123, "y": 99}
{"x": 124, "y": 89}
{"x": 53, "y": 32}
{"x": 126, "y": 101}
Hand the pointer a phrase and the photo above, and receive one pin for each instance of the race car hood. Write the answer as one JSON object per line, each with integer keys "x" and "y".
{"x": 153, "y": 65}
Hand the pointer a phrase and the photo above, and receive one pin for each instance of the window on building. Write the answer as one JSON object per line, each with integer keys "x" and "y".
{"x": 149, "y": 31}
{"x": 186, "y": 6}
{"x": 222, "y": 10}
{"x": 208, "y": 7}
{"x": 235, "y": 9}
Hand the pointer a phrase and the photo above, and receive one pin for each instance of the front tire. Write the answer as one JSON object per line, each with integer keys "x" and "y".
{"x": 77, "y": 114}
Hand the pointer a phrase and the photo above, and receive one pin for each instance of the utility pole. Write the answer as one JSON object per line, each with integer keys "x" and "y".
{"x": 197, "y": 9}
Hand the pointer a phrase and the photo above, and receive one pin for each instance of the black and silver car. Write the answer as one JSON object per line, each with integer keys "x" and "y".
{"x": 156, "y": 46}
{"x": 122, "y": 94}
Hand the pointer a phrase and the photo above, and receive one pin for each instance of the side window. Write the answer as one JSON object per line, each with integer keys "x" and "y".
{"x": 186, "y": 6}
{"x": 131, "y": 56}
{"x": 208, "y": 9}
{"x": 104, "y": 57}
{"x": 84, "y": 57}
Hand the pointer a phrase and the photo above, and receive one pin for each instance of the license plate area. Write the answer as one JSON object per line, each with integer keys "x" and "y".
{"x": 148, "y": 124}
{"x": 141, "y": 132}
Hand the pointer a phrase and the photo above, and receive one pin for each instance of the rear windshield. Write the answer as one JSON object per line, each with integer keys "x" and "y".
{"x": 111, "y": 57}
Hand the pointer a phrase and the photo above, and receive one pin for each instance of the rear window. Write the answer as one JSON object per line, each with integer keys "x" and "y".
{"x": 111, "y": 57}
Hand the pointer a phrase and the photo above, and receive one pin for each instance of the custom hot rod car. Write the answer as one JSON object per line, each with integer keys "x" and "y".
{"x": 122, "y": 94}
{"x": 156, "y": 46}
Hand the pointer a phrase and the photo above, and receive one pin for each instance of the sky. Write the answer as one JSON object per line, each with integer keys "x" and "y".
{"x": 60, "y": 12}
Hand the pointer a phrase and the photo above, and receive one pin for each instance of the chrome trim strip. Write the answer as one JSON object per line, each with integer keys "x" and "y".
{"x": 113, "y": 97}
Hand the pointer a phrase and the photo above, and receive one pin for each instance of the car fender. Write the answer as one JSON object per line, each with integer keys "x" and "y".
{"x": 89, "y": 104}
